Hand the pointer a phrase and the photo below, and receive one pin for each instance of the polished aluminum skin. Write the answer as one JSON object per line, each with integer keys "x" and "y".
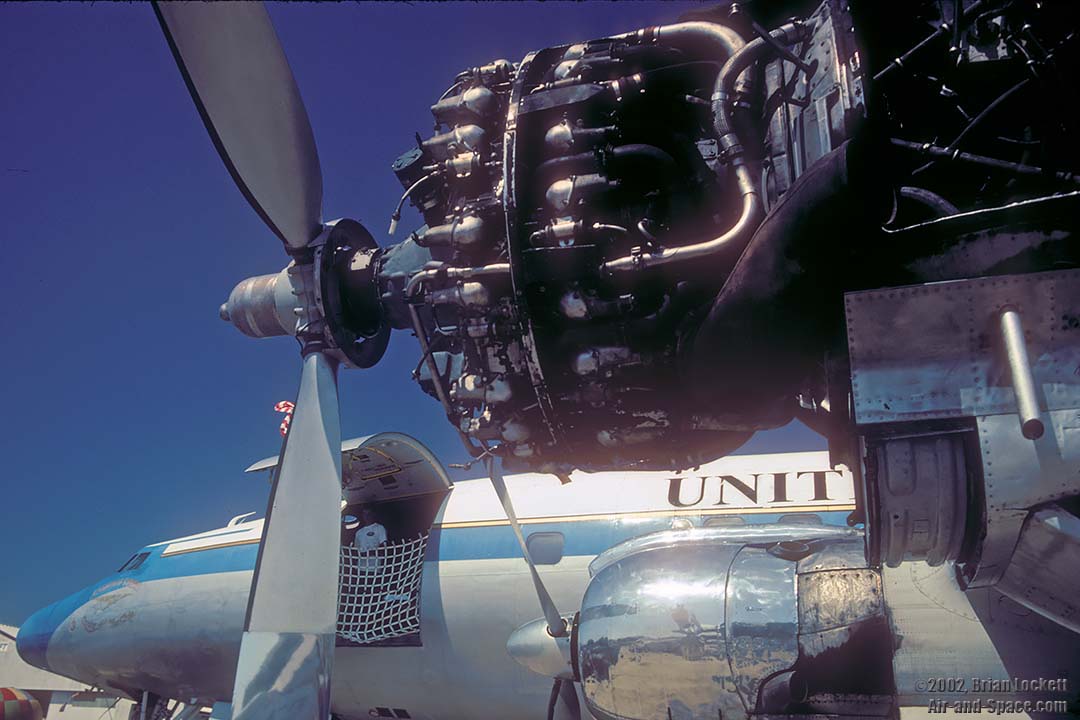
{"x": 698, "y": 624}
{"x": 735, "y": 534}
{"x": 762, "y": 620}
{"x": 933, "y": 351}
{"x": 692, "y": 624}
{"x": 1039, "y": 576}
{"x": 177, "y": 637}
{"x": 180, "y": 636}
{"x": 536, "y": 648}
{"x": 653, "y": 635}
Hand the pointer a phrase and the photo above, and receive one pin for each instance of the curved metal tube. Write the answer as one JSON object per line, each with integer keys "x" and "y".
{"x": 725, "y": 90}
{"x": 605, "y": 227}
{"x": 723, "y": 38}
{"x": 412, "y": 188}
{"x": 454, "y": 273}
{"x": 752, "y": 209}
{"x": 749, "y": 219}
{"x": 932, "y": 200}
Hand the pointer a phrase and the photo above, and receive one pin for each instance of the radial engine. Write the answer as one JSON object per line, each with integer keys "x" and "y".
{"x": 634, "y": 248}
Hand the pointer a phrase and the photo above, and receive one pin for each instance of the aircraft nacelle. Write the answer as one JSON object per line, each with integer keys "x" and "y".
{"x": 731, "y": 622}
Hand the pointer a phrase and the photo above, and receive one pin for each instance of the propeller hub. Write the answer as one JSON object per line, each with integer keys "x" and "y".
{"x": 533, "y": 646}
{"x": 267, "y": 305}
{"x": 330, "y": 301}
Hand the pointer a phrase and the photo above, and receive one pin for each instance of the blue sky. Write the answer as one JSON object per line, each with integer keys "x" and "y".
{"x": 130, "y": 409}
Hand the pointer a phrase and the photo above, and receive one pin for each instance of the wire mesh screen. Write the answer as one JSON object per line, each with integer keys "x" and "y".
{"x": 379, "y": 591}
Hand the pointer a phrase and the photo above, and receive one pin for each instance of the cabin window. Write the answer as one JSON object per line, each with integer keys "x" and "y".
{"x": 723, "y": 521}
{"x": 134, "y": 562}
{"x": 545, "y": 548}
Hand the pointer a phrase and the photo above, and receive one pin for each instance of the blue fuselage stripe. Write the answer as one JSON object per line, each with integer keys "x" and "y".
{"x": 583, "y": 538}
{"x": 447, "y": 544}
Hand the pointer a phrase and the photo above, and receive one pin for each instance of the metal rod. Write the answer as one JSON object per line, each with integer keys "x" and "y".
{"x": 1027, "y": 402}
{"x": 556, "y": 625}
{"x": 942, "y": 29}
{"x": 749, "y": 219}
{"x": 436, "y": 378}
{"x": 935, "y": 151}
{"x": 782, "y": 50}
{"x": 453, "y": 273}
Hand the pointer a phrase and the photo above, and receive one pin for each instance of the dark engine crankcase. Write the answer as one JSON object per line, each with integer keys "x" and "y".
{"x": 734, "y": 622}
{"x": 636, "y": 247}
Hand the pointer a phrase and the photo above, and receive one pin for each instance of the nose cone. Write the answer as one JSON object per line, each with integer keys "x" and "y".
{"x": 534, "y": 647}
{"x": 32, "y": 641}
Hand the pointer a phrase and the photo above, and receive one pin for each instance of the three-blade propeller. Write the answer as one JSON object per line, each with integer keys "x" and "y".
{"x": 236, "y": 71}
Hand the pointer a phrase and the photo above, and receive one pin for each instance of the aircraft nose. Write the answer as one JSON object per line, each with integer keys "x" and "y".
{"x": 32, "y": 640}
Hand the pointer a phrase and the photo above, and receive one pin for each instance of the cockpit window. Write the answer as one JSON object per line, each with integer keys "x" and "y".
{"x": 136, "y": 560}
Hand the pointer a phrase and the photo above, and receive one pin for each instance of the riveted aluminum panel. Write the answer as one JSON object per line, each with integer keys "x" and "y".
{"x": 932, "y": 351}
{"x": 838, "y": 598}
{"x": 1042, "y": 576}
{"x": 1019, "y": 474}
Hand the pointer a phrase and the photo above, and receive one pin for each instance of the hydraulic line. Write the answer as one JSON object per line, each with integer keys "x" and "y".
{"x": 938, "y": 152}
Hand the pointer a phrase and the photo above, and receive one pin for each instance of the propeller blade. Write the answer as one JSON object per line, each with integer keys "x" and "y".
{"x": 563, "y": 703}
{"x": 556, "y": 625}
{"x": 238, "y": 76}
{"x": 288, "y": 643}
